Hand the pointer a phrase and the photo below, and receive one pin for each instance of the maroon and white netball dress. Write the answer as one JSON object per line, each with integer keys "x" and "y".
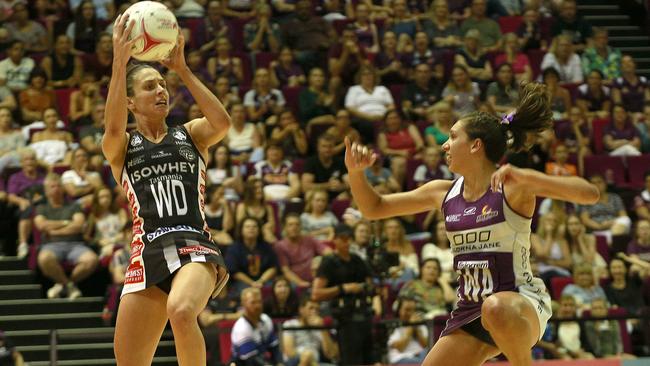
{"x": 491, "y": 247}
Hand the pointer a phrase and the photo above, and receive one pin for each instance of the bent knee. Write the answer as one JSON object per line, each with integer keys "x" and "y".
{"x": 46, "y": 256}
{"x": 181, "y": 312}
{"x": 497, "y": 312}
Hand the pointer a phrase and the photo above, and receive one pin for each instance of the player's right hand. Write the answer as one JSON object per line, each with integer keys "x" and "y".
{"x": 357, "y": 156}
{"x": 122, "y": 46}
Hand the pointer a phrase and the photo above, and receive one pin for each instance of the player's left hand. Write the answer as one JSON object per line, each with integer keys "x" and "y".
{"x": 176, "y": 59}
{"x": 506, "y": 174}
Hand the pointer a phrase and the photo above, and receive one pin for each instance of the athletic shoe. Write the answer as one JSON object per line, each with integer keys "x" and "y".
{"x": 73, "y": 291}
{"x": 23, "y": 250}
{"x": 55, "y": 291}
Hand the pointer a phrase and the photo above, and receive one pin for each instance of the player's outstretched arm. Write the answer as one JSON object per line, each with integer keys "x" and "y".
{"x": 374, "y": 206}
{"x": 210, "y": 129}
{"x": 114, "y": 141}
{"x": 572, "y": 189}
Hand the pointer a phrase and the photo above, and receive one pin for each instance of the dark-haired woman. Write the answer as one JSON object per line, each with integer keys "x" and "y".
{"x": 83, "y": 31}
{"x": 175, "y": 266}
{"x": 502, "y": 94}
{"x": 62, "y": 67}
{"x": 502, "y": 308}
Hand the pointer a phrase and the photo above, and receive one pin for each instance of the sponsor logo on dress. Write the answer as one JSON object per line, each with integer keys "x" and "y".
{"x": 160, "y": 154}
{"x": 170, "y": 229}
{"x": 135, "y": 161}
{"x": 469, "y": 211}
{"x": 180, "y": 135}
{"x": 453, "y": 218}
{"x": 473, "y": 264}
{"x": 136, "y": 140}
{"x": 197, "y": 249}
{"x": 134, "y": 274}
{"x": 188, "y": 154}
{"x": 486, "y": 214}
{"x": 135, "y": 149}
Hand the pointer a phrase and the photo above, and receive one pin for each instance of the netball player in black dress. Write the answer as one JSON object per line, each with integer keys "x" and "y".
{"x": 174, "y": 267}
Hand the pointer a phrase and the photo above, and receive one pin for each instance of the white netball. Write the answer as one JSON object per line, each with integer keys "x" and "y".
{"x": 158, "y": 27}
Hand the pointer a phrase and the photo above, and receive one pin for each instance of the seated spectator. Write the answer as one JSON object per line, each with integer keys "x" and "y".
{"x": 401, "y": 21}
{"x": 213, "y": 27}
{"x": 296, "y": 251}
{"x": 529, "y": 31}
{"x": 188, "y": 9}
{"x": 11, "y": 140}
{"x": 422, "y": 53}
{"x": 63, "y": 68}
{"x": 368, "y": 102}
{"x": 391, "y": 64}
{"x": 36, "y": 98}
{"x": 317, "y": 221}
{"x": 289, "y": 135}
{"x": 325, "y": 171}
{"x": 642, "y": 201}
{"x": 346, "y": 58}
{"x": 577, "y": 137}
{"x": 644, "y": 128}
{"x": 604, "y": 336}
{"x": 223, "y": 63}
{"x": 61, "y": 228}
{"x": 224, "y": 92}
{"x": 361, "y": 237}
{"x": 518, "y": 60}
{"x": 254, "y": 206}
{"x": 100, "y": 63}
{"x": 432, "y": 167}
{"x": 16, "y": 68}
{"x": 263, "y": 101}
{"x": 280, "y": 182}
{"x": 559, "y": 96}
{"x": 407, "y": 344}
{"x": 420, "y": 94}
{"x": 105, "y": 8}
{"x": 583, "y": 246}
{"x": 90, "y": 137}
{"x": 83, "y": 99}
{"x": 254, "y": 342}
{"x": 584, "y": 288}
{"x": 378, "y": 176}
{"x": 608, "y": 216}
{"x": 83, "y": 30}
{"x": 21, "y": 28}
{"x": 180, "y": 99}
{"x": 218, "y": 215}
{"x": 250, "y": 260}
{"x": 439, "y": 248}
{"x": 503, "y": 93}
{"x": 570, "y": 336}
{"x": 550, "y": 249}
{"x": 244, "y": 10}
{"x": 431, "y": 292}
{"x": 639, "y": 249}
{"x": 461, "y": 92}
{"x": 7, "y": 99}
{"x": 472, "y": 57}
{"x": 564, "y": 60}
{"x": 559, "y": 165}
{"x": 630, "y": 89}
{"x": 222, "y": 307}
{"x": 222, "y": 171}
{"x": 620, "y": 137}
{"x": 399, "y": 142}
{"x": 441, "y": 118}
{"x": 572, "y": 25}
{"x": 593, "y": 97}
{"x": 623, "y": 291}
{"x": 342, "y": 129}
{"x": 283, "y": 302}
{"x": 285, "y": 71}
{"x": 79, "y": 182}
{"x": 52, "y": 145}
{"x": 106, "y": 223}
{"x": 602, "y": 57}
{"x": 304, "y": 347}
{"x": 262, "y": 34}
{"x": 439, "y": 26}
{"x": 243, "y": 137}
{"x": 365, "y": 29}
{"x": 315, "y": 101}
{"x": 396, "y": 242}
{"x": 489, "y": 31}
{"x": 9, "y": 355}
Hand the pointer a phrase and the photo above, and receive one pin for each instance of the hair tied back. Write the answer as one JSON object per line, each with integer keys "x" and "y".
{"x": 507, "y": 120}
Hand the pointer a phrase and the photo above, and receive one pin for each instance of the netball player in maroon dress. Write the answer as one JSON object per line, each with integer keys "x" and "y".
{"x": 502, "y": 308}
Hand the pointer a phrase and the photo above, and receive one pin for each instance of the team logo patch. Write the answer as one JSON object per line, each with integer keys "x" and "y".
{"x": 486, "y": 214}
{"x": 469, "y": 211}
{"x": 188, "y": 154}
{"x": 136, "y": 140}
{"x": 180, "y": 135}
{"x": 197, "y": 250}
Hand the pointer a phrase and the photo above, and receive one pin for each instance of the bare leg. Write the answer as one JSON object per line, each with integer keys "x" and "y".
{"x": 459, "y": 349}
{"x": 85, "y": 267}
{"x": 51, "y": 268}
{"x": 190, "y": 292}
{"x": 513, "y": 324}
{"x": 141, "y": 320}
{"x": 24, "y": 230}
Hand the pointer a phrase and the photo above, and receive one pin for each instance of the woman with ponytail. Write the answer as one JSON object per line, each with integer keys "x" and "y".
{"x": 502, "y": 308}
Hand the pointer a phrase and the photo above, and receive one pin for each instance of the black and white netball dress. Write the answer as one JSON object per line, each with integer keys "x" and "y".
{"x": 165, "y": 186}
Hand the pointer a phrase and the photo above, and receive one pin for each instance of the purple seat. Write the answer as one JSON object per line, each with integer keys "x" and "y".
{"x": 637, "y": 167}
{"x": 601, "y": 164}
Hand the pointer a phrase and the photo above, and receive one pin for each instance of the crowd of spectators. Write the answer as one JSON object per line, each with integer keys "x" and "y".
{"x": 297, "y": 77}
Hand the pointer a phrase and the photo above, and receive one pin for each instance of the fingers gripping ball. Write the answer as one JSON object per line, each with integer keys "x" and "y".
{"x": 157, "y": 29}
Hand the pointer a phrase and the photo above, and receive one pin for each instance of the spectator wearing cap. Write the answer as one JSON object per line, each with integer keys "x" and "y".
{"x": 472, "y": 56}
{"x": 489, "y": 31}
{"x": 16, "y": 68}
{"x": 345, "y": 280}
{"x": 9, "y": 355}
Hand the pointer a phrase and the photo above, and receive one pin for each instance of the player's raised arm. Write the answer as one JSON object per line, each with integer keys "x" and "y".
{"x": 375, "y": 206}
{"x": 114, "y": 141}
{"x": 210, "y": 129}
